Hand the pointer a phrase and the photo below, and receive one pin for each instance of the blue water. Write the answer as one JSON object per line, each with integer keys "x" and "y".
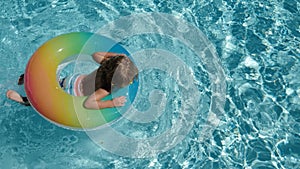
{"x": 258, "y": 48}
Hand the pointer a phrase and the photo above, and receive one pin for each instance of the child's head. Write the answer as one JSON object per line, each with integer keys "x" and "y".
{"x": 116, "y": 72}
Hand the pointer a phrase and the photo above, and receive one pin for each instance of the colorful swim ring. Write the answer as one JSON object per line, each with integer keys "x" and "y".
{"x": 50, "y": 100}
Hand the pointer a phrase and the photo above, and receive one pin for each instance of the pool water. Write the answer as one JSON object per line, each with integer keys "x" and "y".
{"x": 236, "y": 104}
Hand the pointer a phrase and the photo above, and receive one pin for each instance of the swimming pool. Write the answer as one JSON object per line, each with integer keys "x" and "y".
{"x": 257, "y": 46}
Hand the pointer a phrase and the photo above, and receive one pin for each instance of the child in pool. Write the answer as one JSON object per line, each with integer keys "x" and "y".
{"x": 116, "y": 71}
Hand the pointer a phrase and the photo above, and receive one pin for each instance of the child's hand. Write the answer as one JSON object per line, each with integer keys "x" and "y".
{"x": 110, "y": 55}
{"x": 121, "y": 54}
{"x": 119, "y": 101}
{"x": 100, "y": 57}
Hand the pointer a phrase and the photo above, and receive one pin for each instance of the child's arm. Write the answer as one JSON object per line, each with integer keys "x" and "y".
{"x": 101, "y": 56}
{"x": 94, "y": 101}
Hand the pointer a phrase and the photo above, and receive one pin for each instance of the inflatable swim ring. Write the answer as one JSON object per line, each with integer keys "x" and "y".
{"x": 50, "y": 100}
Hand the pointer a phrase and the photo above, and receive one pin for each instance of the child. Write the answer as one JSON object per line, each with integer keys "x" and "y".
{"x": 116, "y": 71}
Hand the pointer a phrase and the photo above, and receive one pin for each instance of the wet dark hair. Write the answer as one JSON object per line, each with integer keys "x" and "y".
{"x": 114, "y": 73}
